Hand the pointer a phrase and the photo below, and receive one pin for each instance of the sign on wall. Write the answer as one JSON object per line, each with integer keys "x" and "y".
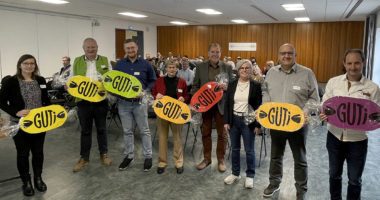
{"x": 242, "y": 46}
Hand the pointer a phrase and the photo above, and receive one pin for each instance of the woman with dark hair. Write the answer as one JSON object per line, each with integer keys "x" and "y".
{"x": 241, "y": 94}
{"x": 18, "y": 95}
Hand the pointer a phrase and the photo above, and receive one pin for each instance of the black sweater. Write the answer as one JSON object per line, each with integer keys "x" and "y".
{"x": 11, "y": 100}
{"x": 254, "y": 99}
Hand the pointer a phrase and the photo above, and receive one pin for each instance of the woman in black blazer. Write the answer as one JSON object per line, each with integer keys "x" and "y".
{"x": 18, "y": 95}
{"x": 240, "y": 94}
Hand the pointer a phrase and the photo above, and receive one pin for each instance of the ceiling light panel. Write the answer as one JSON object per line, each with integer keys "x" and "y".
{"x": 179, "y": 23}
{"x": 239, "y": 21}
{"x": 302, "y": 19}
{"x": 54, "y": 1}
{"x": 209, "y": 11}
{"x": 130, "y": 14}
{"x": 293, "y": 7}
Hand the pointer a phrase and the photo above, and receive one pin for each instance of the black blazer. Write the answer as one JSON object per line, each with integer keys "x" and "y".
{"x": 11, "y": 100}
{"x": 254, "y": 99}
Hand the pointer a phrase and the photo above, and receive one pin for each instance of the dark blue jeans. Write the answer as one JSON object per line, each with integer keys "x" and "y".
{"x": 89, "y": 112}
{"x": 238, "y": 130}
{"x": 355, "y": 153}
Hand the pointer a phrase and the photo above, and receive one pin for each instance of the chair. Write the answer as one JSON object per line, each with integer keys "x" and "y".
{"x": 263, "y": 141}
{"x": 113, "y": 115}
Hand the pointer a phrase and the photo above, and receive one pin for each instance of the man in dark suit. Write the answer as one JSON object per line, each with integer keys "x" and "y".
{"x": 206, "y": 71}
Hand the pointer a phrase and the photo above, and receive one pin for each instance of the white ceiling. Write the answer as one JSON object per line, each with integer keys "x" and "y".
{"x": 161, "y": 12}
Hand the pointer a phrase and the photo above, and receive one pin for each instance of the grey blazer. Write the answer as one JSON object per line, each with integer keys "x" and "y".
{"x": 201, "y": 77}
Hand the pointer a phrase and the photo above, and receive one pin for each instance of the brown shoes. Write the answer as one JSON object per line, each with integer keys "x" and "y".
{"x": 203, "y": 164}
{"x": 105, "y": 160}
{"x": 221, "y": 167}
{"x": 80, "y": 165}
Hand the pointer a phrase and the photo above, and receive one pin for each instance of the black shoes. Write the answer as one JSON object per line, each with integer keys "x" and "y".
{"x": 39, "y": 184}
{"x": 27, "y": 188}
{"x": 126, "y": 163}
{"x": 160, "y": 170}
{"x": 270, "y": 190}
{"x": 147, "y": 164}
{"x": 179, "y": 170}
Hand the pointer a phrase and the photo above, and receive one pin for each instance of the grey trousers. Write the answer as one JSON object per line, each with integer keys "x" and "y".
{"x": 297, "y": 142}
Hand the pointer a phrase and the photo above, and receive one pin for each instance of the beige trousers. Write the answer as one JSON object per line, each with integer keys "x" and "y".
{"x": 163, "y": 132}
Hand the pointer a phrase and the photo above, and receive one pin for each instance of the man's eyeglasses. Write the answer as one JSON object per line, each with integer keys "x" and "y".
{"x": 287, "y": 53}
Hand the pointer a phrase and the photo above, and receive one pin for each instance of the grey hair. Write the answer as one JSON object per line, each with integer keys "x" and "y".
{"x": 242, "y": 62}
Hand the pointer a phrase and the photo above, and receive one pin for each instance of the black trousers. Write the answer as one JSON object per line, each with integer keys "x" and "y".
{"x": 297, "y": 143}
{"x": 26, "y": 143}
{"x": 87, "y": 113}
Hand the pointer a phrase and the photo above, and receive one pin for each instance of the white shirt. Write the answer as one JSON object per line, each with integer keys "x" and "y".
{"x": 241, "y": 97}
{"x": 91, "y": 69}
{"x": 364, "y": 89}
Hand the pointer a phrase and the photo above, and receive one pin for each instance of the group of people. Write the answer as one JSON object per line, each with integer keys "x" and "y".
{"x": 288, "y": 82}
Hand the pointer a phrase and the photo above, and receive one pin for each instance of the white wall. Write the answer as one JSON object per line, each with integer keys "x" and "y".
{"x": 49, "y": 38}
{"x": 376, "y": 62}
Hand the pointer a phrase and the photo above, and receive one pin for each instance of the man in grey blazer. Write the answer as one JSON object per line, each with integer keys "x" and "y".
{"x": 206, "y": 71}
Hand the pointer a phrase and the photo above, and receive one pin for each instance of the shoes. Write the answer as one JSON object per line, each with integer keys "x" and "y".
{"x": 105, "y": 160}
{"x": 179, "y": 170}
{"x": 126, "y": 163}
{"x": 80, "y": 165}
{"x": 270, "y": 190}
{"x": 27, "y": 188}
{"x": 203, "y": 164}
{"x": 39, "y": 184}
{"x": 221, "y": 167}
{"x": 147, "y": 164}
{"x": 231, "y": 179}
{"x": 248, "y": 183}
{"x": 160, "y": 170}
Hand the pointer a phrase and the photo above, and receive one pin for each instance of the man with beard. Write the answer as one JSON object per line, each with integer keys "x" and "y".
{"x": 132, "y": 110}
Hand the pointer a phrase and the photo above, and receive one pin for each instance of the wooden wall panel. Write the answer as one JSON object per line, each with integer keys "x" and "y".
{"x": 320, "y": 46}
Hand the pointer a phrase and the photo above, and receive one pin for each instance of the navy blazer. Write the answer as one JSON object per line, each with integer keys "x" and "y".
{"x": 11, "y": 100}
{"x": 254, "y": 99}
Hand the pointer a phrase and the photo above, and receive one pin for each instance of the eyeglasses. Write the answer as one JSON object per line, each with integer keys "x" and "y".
{"x": 287, "y": 53}
{"x": 245, "y": 68}
{"x": 30, "y": 64}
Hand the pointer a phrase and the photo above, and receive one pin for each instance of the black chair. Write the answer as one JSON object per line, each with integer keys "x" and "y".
{"x": 113, "y": 115}
{"x": 263, "y": 141}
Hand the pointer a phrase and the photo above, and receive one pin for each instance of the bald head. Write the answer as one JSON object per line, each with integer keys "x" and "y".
{"x": 287, "y": 55}
{"x": 288, "y": 45}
